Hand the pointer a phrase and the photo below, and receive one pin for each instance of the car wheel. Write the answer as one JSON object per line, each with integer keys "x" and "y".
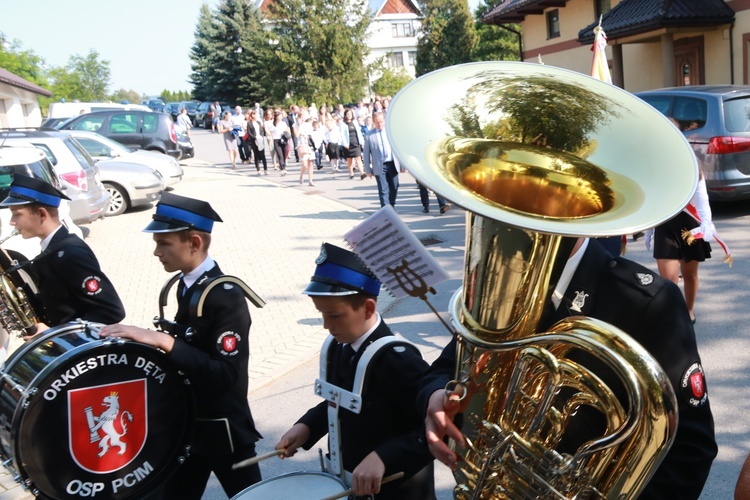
{"x": 118, "y": 199}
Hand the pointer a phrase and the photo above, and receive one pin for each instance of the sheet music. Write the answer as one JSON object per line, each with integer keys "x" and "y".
{"x": 395, "y": 255}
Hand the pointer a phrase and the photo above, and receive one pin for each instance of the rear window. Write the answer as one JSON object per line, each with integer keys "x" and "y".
{"x": 689, "y": 112}
{"x": 126, "y": 123}
{"x": 737, "y": 115}
{"x": 47, "y": 151}
{"x": 660, "y": 103}
{"x": 150, "y": 122}
{"x": 81, "y": 155}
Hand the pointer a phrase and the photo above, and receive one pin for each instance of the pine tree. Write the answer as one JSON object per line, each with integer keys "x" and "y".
{"x": 200, "y": 55}
{"x": 318, "y": 52}
{"x": 448, "y": 35}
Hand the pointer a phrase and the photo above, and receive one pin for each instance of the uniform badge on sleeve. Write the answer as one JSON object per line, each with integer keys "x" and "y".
{"x": 92, "y": 285}
{"x": 644, "y": 279}
{"x": 399, "y": 349}
{"x": 693, "y": 386}
{"x": 228, "y": 344}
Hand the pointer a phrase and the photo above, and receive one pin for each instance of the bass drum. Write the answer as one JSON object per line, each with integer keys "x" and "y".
{"x": 294, "y": 485}
{"x": 86, "y": 416}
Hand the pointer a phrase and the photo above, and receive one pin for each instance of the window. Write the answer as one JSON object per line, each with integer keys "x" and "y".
{"x": 397, "y": 60}
{"x": 150, "y": 122}
{"x": 690, "y": 113}
{"x": 91, "y": 124}
{"x": 401, "y": 30}
{"x": 413, "y": 58}
{"x": 553, "y": 24}
{"x": 737, "y": 114}
{"x": 94, "y": 148}
{"x": 125, "y": 123}
{"x": 601, "y": 7}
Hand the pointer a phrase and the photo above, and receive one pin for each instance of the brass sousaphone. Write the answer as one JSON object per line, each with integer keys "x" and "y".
{"x": 536, "y": 154}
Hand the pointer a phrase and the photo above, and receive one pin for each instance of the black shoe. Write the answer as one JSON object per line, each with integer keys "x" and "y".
{"x": 362, "y": 177}
{"x": 425, "y": 210}
{"x": 445, "y": 208}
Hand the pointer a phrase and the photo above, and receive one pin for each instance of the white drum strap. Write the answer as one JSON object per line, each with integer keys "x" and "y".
{"x": 351, "y": 400}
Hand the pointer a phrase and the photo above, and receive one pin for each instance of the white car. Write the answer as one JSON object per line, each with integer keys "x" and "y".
{"x": 103, "y": 148}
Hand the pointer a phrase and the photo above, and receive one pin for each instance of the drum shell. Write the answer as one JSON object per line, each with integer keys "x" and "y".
{"x": 294, "y": 485}
{"x": 57, "y": 387}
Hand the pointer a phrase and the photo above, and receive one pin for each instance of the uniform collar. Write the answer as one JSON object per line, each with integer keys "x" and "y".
{"x": 360, "y": 341}
{"x": 46, "y": 241}
{"x": 190, "y": 278}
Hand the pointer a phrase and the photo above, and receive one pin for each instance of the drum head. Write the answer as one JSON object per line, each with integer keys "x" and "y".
{"x": 107, "y": 418}
{"x": 294, "y": 485}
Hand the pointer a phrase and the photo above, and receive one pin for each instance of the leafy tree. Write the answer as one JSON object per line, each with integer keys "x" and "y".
{"x": 391, "y": 81}
{"x": 318, "y": 50}
{"x": 448, "y": 35}
{"x": 493, "y": 42}
{"x": 24, "y": 63}
{"x": 84, "y": 78}
{"x": 125, "y": 95}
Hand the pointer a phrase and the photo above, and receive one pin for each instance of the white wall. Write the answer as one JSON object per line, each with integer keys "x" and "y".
{"x": 18, "y": 107}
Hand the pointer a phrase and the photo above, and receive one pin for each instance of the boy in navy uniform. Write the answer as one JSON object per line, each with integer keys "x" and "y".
{"x": 386, "y": 437}
{"x": 71, "y": 283}
{"x": 214, "y": 354}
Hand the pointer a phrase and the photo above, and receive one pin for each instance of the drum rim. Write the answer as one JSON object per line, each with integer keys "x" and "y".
{"x": 173, "y": 461}
{"x": 290, "y": 474}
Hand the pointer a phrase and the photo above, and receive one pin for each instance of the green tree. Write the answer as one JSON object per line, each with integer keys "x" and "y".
{"x": 448, "y": 35}
{"x": 228, "y": 53}
{"x": 391, "y": 81}
{"x": 493, "y": 42}
{"x": 125, "y": 95}
{"x": 24, "y": 63}
{"x": 84, "y": 78}
{"x": 318, "y": 50}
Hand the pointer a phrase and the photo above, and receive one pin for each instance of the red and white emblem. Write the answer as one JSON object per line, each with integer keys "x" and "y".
{"x": 228, "y": 343}
{"x": 107, "y": 425}
{"x": 91, "y": 285}
{"x": 693, "y": 386}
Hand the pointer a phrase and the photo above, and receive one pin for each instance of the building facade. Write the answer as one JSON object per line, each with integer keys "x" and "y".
{"x": 651, "y": 43}
{"x": 19, "y": 101}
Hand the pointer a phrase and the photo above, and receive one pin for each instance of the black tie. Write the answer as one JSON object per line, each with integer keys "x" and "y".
{"x": 180, "y": 289}
{"x": 346, "y": 366}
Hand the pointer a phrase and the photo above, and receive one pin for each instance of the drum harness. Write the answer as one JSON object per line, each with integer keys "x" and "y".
{"x": 197, "y": 301}
{"x": 352, "y": 401}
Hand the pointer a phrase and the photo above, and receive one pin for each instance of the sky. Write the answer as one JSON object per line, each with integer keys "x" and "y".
{"x": 147, "y": 42}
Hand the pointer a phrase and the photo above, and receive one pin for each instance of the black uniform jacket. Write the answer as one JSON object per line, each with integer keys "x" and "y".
{"x": 216, "y": 361}
{"x": 652, "y": 310}
{"x": 388, "y": 423}
{"x": 71, "y": 284}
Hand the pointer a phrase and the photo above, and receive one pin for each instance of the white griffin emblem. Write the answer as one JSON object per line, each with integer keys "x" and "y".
{"x": 106, "y": 423}
{"x": 579, "y": 301}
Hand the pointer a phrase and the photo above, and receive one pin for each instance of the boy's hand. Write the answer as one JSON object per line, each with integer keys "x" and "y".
{"x": 368, "y": 475}
{"x": 293, "y": 439}
{"x": 439, "y": 423}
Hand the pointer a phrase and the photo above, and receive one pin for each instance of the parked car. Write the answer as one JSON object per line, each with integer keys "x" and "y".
{"x": 30, "y": 161}
{"x": 103, "y": 148}
{"x": 715, "y": 120}
{"x": 134, "y": 129}
{"x": 77, "y": 172}
{"x": 129, "y": 185}
{"x": 172, "y": 109}
{"x": 61, "y": 111}
{"x": 155, "y": 105}
{"x": 204, "y": 116}
{"x": 192, "y": 108}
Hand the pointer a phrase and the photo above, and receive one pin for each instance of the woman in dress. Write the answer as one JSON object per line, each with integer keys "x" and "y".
{"x": 225, "y": 127}
{"x": 333, "y": 140}
{"x": 268, "y": 128}
{"x": 306, "y": 153}
{"x": 352, "y": 141}
{"x": 279, "y": 141}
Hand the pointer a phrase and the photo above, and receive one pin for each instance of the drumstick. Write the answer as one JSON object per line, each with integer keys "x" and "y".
{"x": 387, "y": 479}
{"x": 258, "y": 458}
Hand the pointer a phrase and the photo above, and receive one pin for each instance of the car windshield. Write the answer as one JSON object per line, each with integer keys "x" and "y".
{"x": 190, "y": 106}
{"x": 156, "y": 102}
{"x": 737, "y": 114}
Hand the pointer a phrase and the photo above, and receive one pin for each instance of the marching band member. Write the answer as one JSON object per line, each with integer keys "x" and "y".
{"x": 71, "y": 283}
{"x": 214, "y": 352}
{"x": 386, "y": 436}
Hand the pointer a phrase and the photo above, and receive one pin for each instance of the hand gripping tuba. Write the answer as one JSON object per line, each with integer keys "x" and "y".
{"x": 536, "y": 154}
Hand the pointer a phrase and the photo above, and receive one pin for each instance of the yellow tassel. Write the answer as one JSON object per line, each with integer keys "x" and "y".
{"x": 688, "y": 237}
{"x": 729, "y": 260}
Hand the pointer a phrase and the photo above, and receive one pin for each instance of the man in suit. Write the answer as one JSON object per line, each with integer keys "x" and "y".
{"x": 386, "y": 436}
{"x": 652, "y": 311}
{"x": 71, "y": 283}
{"x": 212, "y": 349}
{"x": 380, "y": 161}
{"x": 293, "y": 122}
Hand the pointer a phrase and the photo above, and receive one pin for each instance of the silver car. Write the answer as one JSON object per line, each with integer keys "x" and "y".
{"x": 103, "y": 148}
{"x": 715, "y": 120}
{"x": 129, "y": 185}
{"x": 78, "y": 175}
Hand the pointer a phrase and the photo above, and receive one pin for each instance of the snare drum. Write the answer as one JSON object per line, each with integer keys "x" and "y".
{"x": 87, "y": 416}
{"x": 302, "y": 485}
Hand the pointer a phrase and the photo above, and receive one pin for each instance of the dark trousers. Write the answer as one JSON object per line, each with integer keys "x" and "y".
{"x": 189, "y": 482}
{"x": 260, "y": 156}
{"x": 295, "y": 141}
{"x": 244, "y": 150}
{"x": 387, "y": 184}
{"x": 280, "y": 153}
{"x": 319, "y": 153}
{"x": 424, "y": 197}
